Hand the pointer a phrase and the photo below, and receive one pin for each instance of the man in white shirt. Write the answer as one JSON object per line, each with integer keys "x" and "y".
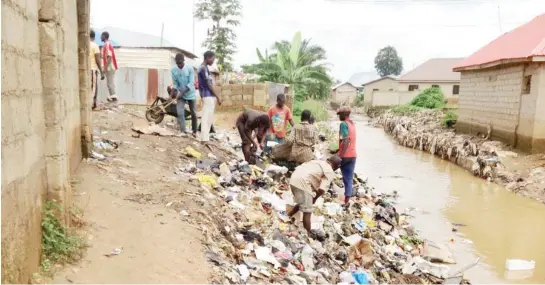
{"x": 308, "y": 178}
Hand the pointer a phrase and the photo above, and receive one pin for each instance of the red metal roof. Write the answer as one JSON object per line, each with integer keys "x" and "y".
{"x": 523, "y": 42}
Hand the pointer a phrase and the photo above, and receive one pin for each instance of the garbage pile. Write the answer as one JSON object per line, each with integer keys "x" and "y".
{"x": 251, "y": 239}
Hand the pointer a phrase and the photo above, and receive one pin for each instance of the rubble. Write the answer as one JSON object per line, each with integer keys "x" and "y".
{"x": 484, "y": 158}
{"x": 252, "y": 240}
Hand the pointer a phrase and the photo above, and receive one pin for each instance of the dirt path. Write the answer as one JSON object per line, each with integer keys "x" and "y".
{"x": 125, "y": 198}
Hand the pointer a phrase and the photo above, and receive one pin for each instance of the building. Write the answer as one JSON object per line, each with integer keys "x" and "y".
{"x": 436, "y": 72}
{"x": 46, "y": 120}
{"x": 360, "y": 78}
{"x": 344, "y": 93}
{"x": 143, "y": 66}
{"x": 386, "y": 83}
{"x": 143, "y": 73}
{"x": 503, "y": 88}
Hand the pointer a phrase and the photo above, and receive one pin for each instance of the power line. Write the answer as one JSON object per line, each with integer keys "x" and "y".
{"x": 423, "y": 2}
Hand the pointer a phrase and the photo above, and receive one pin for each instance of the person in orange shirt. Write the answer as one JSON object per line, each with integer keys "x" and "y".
{"x": 280, "y": 115}
{"x": 347, "y": 150}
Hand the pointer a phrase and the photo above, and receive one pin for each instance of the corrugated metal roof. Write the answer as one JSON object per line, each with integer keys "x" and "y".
{"x": 127, "y": 38}
{"x": 150, "y": 58}
{"x": 341, "y": 84}
{"x": 523, "y": 42}
{"x": 358, "y": 79}
{"x": 382, "y": 78}
{"x": 435, "y": 70}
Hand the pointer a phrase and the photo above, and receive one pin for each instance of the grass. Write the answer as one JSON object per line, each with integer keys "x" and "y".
{"x": 314, "y": 106}
{"x": 59, "y": 244}
{"x": 405, "y": 109}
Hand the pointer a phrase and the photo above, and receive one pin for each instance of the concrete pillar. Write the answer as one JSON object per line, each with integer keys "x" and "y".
{"x": 83, "y": 8}
{"x": 51, "y": 60}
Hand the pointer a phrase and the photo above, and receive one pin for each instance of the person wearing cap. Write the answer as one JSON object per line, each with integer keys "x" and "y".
{"x": 347, "y": 150}
{"x": 308, "y": 182}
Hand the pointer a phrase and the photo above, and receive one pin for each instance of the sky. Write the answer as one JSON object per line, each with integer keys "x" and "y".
{"x": 351, "y": 31}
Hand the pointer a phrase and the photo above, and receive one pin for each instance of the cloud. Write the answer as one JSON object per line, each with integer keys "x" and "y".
{"x": 351, "y": 31}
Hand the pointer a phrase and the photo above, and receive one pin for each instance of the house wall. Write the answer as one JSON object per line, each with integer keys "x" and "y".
{"x": 491, "y": 97}
{"x": 446, "y": 87}
{"x": 344, "y": 94}
{"x": 41, "y": 121}
{"x": 392, "y": 98}
{"x": 382, "y": 85}
{"x": 531, "y": 123}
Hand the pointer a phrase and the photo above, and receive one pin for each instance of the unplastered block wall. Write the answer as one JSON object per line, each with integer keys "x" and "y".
{"x": 491, "y": 97}
{"x": 40, "y": 123}
{"x": 239, "y": 96}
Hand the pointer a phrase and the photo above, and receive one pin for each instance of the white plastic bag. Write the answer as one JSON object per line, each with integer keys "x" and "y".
{"x": 519, "y": 264}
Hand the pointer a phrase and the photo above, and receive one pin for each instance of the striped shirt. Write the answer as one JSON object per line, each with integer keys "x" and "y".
{"x": 303, "y": 138}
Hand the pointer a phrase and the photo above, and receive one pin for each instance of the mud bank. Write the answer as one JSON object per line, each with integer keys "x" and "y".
{"x": 492, "y": 160}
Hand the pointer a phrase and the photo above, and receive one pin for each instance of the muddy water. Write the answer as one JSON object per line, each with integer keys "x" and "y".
{"x": 499, "y": 224}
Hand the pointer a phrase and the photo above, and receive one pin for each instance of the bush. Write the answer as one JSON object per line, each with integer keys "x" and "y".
{"x": 359, "y": 100}
{"x": 405, "y": 109}
{"x": 59, "y": 244}
{"x": 430, "y": 98}
{"x": 450, "y": 119}
{"x": 314, "y": 106}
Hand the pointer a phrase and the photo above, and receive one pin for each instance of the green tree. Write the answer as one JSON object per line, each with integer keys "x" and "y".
{"x": 297, "y": 63}
{"x": 221, "y": 38}
{"x": 388, "y": 62}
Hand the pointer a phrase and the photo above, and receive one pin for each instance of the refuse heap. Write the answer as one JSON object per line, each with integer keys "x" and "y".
{"x": 251, "y": 239}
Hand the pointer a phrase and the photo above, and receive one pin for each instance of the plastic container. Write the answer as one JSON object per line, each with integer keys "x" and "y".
{"x": 519, "y": 264}
{"x": 360, "y": 277}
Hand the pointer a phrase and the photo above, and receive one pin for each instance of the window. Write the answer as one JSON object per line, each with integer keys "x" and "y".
{"x": 434, "y": 85}
{"x": 527, "y": 84}
{"x": 375, "y": 90}
{"x": 413, "y": 87}
{"x": 455, "y": 89}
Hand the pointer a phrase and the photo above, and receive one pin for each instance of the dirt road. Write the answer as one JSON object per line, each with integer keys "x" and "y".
{"x": 124, "y": 199}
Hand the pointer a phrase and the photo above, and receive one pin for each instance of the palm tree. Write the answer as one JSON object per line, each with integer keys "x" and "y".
{"x": 297, "y": 63}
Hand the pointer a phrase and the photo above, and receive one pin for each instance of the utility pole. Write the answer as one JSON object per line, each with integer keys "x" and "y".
{"x": 193, "y": 17}
{"x": 499, "y": 19}
{"x": 162, "y": 30}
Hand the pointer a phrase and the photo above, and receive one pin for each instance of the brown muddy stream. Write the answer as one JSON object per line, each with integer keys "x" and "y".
{"x": 499, "y": 225}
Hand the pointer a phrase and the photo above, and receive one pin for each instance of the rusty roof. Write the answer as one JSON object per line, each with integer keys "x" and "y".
{"x": 434, "y": 70}
{"x": 522, "y": 43}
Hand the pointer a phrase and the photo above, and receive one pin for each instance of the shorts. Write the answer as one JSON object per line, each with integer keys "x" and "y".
{"x": 303, "y": 199}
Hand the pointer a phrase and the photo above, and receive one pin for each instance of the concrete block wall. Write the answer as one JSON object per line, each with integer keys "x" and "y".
{"x": 491, "y": 97}
{"x": 240, "y": 96}
{"x": 41, "y": 123}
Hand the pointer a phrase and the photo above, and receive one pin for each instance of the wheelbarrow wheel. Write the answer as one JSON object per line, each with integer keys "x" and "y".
{"x": 155, "y": 115}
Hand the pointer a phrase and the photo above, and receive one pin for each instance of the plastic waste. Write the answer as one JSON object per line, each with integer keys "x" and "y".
{"x": 97, "y": 155}
{"x": 306, "y": 257}
{"x": 116, "y": 251}
{"x": 244, "y": 272}
{"x": 273, "y": 170}
{"x": 519, "y": 264}
{"x": 347, "y": 277}
{"x": 360, "y": 225}
{"x": 191, "y": 152}
{"x": 277, "y": 203}
{"x": 264, "y": 254}
{"x": 333, "y": 209}
{"x": 353, "y": 239}
{"x": 360, "y": 277}
{"x": 206, "y": 179}
{"x": 437, "y": 270}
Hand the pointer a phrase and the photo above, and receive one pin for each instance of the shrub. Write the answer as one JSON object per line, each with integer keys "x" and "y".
{"x": 430, "y": 98}
{"x": 450, "y": 119}
{"x": 314, "y": 106}
{"x": 405, "y": 109}
{"x": 359, "y": 100}
{"x": 59, "y": 244}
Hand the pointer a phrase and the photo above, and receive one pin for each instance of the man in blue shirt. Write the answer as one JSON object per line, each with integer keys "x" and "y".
{"x": 183, "y": 79}
{"x": 208, "y": 96}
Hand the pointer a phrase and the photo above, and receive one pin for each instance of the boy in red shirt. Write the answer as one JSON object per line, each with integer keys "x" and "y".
{"x": 279, "y": 114}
